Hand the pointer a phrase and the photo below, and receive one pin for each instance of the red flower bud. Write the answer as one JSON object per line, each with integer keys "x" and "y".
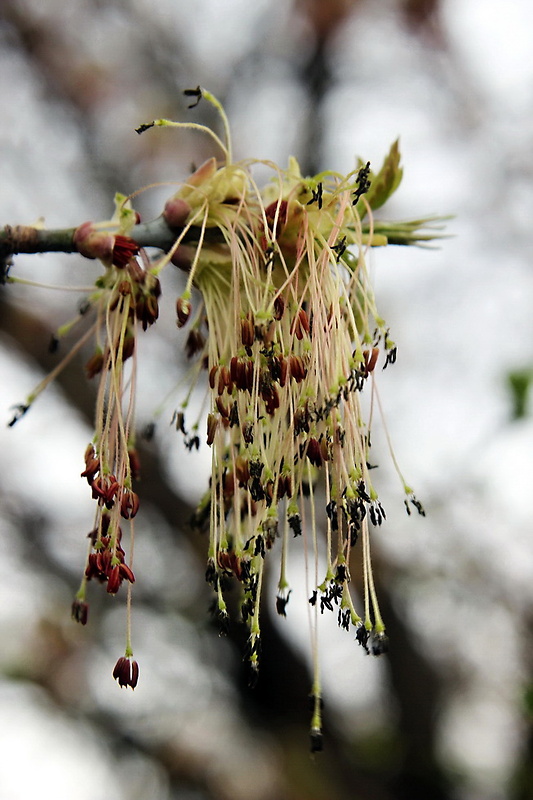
{"x": 183, "y": 310}
{"x": 107, "y": 247}
{"x": 80, "y": 611}
{"x": 92, "y": 243}
{"x": 129, "y": 504}
{"x": 126, "y": 672}
{"x": 176, "y": 212}
{"x": 126, "y": 573}
{"x": 124, "y": 250}
{"x": 313, "y": 452}
{"x": 212, "y": 424}
{"x": 114, "y": 580}
{"x": 279, "y": 307}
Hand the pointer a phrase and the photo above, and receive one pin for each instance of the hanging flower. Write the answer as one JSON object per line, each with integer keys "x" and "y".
{"x": 291, "y": 337}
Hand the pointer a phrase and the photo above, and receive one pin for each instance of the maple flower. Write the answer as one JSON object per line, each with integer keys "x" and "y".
{"x": 288, "y": 329}
{"x": 282, "y": 322}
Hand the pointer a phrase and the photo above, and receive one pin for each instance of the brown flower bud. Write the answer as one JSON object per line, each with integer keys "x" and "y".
{"x": 183, "y": 309}
{"x": 195, "y": 342}
{"x": 182, "y": 257}
{"x": 80, "y": 611}
{"x": 92, "y": 243}
{"x": 242, "y": 470}
{"x": 222, "y": 408}
{"x": 176, "y": 212}
{"x": 297, "y": 368}
{"x": 300, "y": 326}
{"x": 248, "y": 331}
{"x": 279, "y": 307}
{"x": 126, "y": 573}
{"x": 114, "y": 580}
{"x": 124, "y": 250}
{"x": 126, "y": 672}
{"x": 212, "y": 424}
{"x": 371, "y": 357}
{"x": 129, "y": 504}
{"x": 313, "y": 452}
{"x": 95, "y": 364}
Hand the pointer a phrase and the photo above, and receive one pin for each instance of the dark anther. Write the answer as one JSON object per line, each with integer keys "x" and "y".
{"x": 247, "y": 609}
{"x": 379, "y": 644}
{"x": 144, "y": 127}
{"x": 269, "y": 256}
{"x": 193, "y": 443}
{"x": 325, "y": 602}
{"x": 362, "y": 636}
{"x": 281, "y": 604}
{"x": 253, "y": 675}
{"x": 335, "y": 592}
{"x": 257, "y": 492}
{"x": 339, "y": 248}
{"x": 361, "y": 491}
{"x": 259, "y": 546}
{"x": 362, "y": 183}
{"x": 256, "y": 468}
{"x": 295, "y": 524}
{"x": 197, "y": 93}
{"x": 253, "y": 586}
{"x": 311, "y": 703}
{"x": 248, "y": 432}
{"x": 178, "y": 419}
{"x": 341, "y": 574}
{"x": 210, "y": 572}
{"x": 353, "y": 530}
{"x": 80, "y": 611}
{"x": 83, "y": 307}
{"x": 391, "y": 357}
{"x": 313, "y": 597}
{"x": 317, "y": 741}
{"x": 245, "y": 570}
{"x": 53, "y": 346}
{"x": 20, "y": 410}
{"x": 317, "y": 196}
{"x": 253, "y": 648}
{"x": 234, "y": 414}
{"x": 419, "y": 507}
{"x": 220, "y": 617}
{"x": 343, "y": 619}
{"x": 6, "y": 262}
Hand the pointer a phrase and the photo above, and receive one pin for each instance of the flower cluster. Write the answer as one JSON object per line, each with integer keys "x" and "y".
{"x": 297, "y": 338}
{"x": 125, "y": 297}
{"x": 280, "y": 316}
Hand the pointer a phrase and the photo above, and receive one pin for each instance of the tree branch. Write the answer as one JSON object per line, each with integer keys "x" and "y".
{"x": 30, "y": 239}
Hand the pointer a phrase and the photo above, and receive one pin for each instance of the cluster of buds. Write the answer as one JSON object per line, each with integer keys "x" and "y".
{"x": 106, "y": 562}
